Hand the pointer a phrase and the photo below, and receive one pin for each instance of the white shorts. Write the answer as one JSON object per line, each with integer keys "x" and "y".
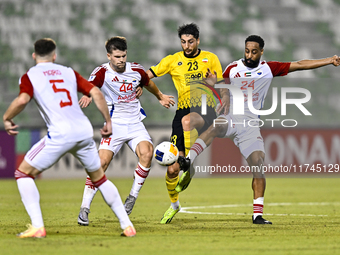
{"x": 46, "y": 152}
{"x": 246, "y": 137}
{"x": 132, "y": 134}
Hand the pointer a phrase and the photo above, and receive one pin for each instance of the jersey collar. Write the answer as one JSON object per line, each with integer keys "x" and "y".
{"x": 199, "y": 52}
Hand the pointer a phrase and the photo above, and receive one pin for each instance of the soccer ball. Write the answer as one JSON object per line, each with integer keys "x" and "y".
{"x": 166, "y": 153}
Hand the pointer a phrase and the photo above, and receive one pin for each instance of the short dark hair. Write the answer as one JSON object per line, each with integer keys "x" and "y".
{"x": 255, "y": 38}
{"x": 116, "y": 43}
{"x": 189, "y": 29}
{"x": 44, "y": 46}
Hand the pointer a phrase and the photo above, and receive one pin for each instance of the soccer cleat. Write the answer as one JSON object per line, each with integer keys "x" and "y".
{"x": 183, "y": 182}
{"x": 184, "y": 163}
{"x": 33, "y": 232}
{"x": 129, "y": 203}
{"x": 129, "y": 232}
{"x": 169, "y": 214}
{"x": 260, "y": 220}
{"x": 83, "y": 218}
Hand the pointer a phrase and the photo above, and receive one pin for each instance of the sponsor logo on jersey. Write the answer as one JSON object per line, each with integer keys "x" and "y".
{"x": 237, "y": 75}
{"x": 115, "y": 79}
{"x": 92, "y": 77}
{"x": 248, "y": 74}
{"x": 179, "y": 63}
{"x": 193, "y": 77}
{"x": 205, "y": 60}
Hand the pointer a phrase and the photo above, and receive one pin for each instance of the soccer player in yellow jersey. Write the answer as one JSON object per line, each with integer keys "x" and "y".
{"x": 188, "y": 69}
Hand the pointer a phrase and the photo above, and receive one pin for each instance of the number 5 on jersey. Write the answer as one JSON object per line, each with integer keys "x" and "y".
{"x": 58, "y": 90}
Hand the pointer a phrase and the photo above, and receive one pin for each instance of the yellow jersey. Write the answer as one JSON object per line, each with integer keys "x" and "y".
{"x": 187, "y": 74}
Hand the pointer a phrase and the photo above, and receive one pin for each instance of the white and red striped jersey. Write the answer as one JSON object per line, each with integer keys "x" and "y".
{"x": 258, "y": 78}
{"x": 54, "y": 88}
{"x": 119, "y": 90}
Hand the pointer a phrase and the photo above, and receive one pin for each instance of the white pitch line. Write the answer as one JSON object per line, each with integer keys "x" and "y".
{"x": 188, "y": 209}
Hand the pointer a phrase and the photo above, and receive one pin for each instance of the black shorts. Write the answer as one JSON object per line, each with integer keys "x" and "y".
{"x": 177, "y": 136}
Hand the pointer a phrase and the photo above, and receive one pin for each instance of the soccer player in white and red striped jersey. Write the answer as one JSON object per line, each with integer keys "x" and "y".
{"x": 121, "y": 83}
{"x": 251, "y": 72}
{"x": 54, "y": 88}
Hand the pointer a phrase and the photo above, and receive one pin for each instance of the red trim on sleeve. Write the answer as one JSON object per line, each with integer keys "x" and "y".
{"x": 26, "y": 85}
{"x": 144, "y": 77}
{"x": 279, "y": 68}
{"x": 99, "y": 76}
{"x": 83, "y": 86}
{"x": 226, "y": 73}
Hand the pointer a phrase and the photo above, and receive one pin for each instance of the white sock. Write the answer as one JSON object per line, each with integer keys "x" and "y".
{"x": 30, "y": 197}
{"x": 89, "y": 192}
{"x": 258, "y": 207}
{"x": 140, "y": 175}
{"x": 175, "y": 205}
{"x": 112, "y": 198}
{"x": 196, "y": 149}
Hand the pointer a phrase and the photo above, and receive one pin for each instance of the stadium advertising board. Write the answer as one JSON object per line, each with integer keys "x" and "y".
{"x": 7, "y": 155}
{"x": 289, "y": 153}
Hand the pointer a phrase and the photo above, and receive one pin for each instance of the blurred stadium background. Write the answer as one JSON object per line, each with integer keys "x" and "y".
{"x": 292, "y": 30}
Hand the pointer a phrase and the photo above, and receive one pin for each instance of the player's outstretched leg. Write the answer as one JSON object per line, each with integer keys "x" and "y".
{"x": 112, "y": 198}
{"x": 186, "y": 164}
{"x": 185, "y": 179}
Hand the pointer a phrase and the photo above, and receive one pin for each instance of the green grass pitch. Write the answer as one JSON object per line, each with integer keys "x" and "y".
{"x": 216, "y": 219}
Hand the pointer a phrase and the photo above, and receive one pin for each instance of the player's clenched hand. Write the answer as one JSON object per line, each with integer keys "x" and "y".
{"x": 167, "y": 101}
{"x": 85, "y": 101}
{"x": 10, "y": 127}
{"x": 336, "y": 60}
{"x": 211, "y": 78}
{"x": 106, "y": 131}
{"x": 139, "y": 91}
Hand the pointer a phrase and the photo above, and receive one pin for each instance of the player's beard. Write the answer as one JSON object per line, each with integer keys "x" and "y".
{"x": 251, "y": 63}
{"x": 121, "y": 68}
{"x": 192, "y": 54}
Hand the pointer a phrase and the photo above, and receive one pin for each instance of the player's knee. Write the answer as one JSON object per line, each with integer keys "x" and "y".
{"x": 186, "y": 122}
{"x": 173, "y": 170}
{"x": 146, "y": 154}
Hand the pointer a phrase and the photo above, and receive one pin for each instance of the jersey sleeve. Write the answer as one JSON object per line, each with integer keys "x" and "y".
{"x": 97, "y": 76}
{"x": 226, "y": 73}
{"x": 163, "y": 67}
{"x": 144, "y": 77}
{"x": 279, "y": 68}
{"x": 26, "y": 85}
{"x": 83, "y": 86}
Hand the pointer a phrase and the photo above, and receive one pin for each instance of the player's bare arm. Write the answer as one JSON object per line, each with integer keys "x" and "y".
{"x": 165, "y": 100}
{"x": 150, "y": 74}
{"x": 85, "y": 101}
{"x": 314, "y": 63}
{"x": 225, "y": 98}
{"x": 100, "y": 102}
{"x": 211, "y": 79}
{"x": 13, "y": 110}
